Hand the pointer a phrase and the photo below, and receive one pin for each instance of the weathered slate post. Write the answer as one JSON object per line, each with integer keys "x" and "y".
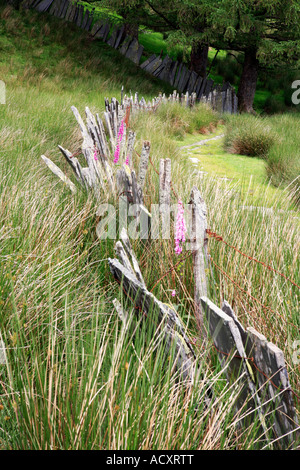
{"x": 88, "y": 150}
{"x": 57, "y": 171}
{"x": 81, "y": 174}
{"x": 131, "y": 191}
{"x": 98, "y": 175}
{"x": 198, "y": 239}
{"x": 144, "y": 161}
{"x": 229, "y": 346}
{"x": 130, "y": 147}
{"x": 134, "y": 51}
{"x": 96, "y": 132}
{"x": 274, "y": 388}
{"x": 259, "y": 365}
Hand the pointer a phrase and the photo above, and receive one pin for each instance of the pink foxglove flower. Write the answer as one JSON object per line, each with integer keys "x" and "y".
{"x": 173, "y": 293}
{"x": 95, "y": 154}
{"x": 119, "y": 140}
{"x": 180, "y": 228}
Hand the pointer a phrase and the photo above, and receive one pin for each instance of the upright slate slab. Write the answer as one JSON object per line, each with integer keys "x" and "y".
{"x": 120, "y": 37}
{"x": 276, "y": 393}
{"x": 184, "y": 71}
{"x": 103, "y": 32}
{"x": 198, "y": 85}
{"x": 178, "y": 75}
{"x": 60, "y": 5}
{"x": 89, "y": 20}
{"x": 62, "y": 8}
{"x": 35, "y": 4}
{"x": 263, "y": 364}
{"x": 172, "y": 73}
{"x": 134, "y": 51}
{"x": 85, "y": 19}
{"x": 54, "y": 7}
{"x": 235, "y": 103}
{"x": 76, "y": 14}
{"x": 68, "y": 12}
{"x": 27, "y": 4}
{"x": 166, "y": 64}
{"x": 226, "y": 337}
{"x": 184, "y": 80}
{"x": 113, "y": 37}
{"x": 72, "y": 13}
{"x": 202, "y": 88}
{"x": 158, "y": 71}
{"x": 150, "y": 68}
{"x": 58, "y": 8}
{"x": 79, "y": 16}
{"x": 192, "y": 82}
{"x": 232, "y": 101}
{"x": 96, "y": 27}
{"x": 148, "y": 61}
{"x": 65, "y": 8}
{"x": 223, "y": 93}
{"x": 44, "y": 5}
{"x": 139, "y": 54}
{"x": 125, "y": 45}
{"x": 209, "y": 87}
{"x": 218, "y": 99}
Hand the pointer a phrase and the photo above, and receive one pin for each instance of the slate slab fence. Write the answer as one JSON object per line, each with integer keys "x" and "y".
{"x": 247, "y": 357}
{"x": 221, "y": 97}
{"x": 247, "y": 353}
{"x": 244, "y": 354}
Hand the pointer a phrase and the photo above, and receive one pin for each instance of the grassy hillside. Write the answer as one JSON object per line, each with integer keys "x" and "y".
{"x": 77, "y": 379}
{"x": 48, "y": 65}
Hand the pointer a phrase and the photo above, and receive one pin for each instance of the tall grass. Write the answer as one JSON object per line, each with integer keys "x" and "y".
{"x": 274, "y": 138}
{"x": 182, "y": 120}
{"x": 76, "y": 378}
{"x": 248, "y": 135}
{"x": 283, "y": 161}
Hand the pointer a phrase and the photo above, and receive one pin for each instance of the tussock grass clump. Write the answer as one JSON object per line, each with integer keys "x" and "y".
{"x": 248, "y": 135}
{"x": 181, "y": 120}
{"x": 283, "y": 159}
{"x": 274, "y": 138}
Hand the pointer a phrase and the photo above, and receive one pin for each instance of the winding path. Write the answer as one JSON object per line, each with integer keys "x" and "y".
{"x": 202, "y": 142}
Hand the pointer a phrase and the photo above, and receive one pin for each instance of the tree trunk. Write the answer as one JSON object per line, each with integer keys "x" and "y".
{"x": 131, "y": 30}
{"x": 247, "y": 86}
{"x": 199, "y": 56}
